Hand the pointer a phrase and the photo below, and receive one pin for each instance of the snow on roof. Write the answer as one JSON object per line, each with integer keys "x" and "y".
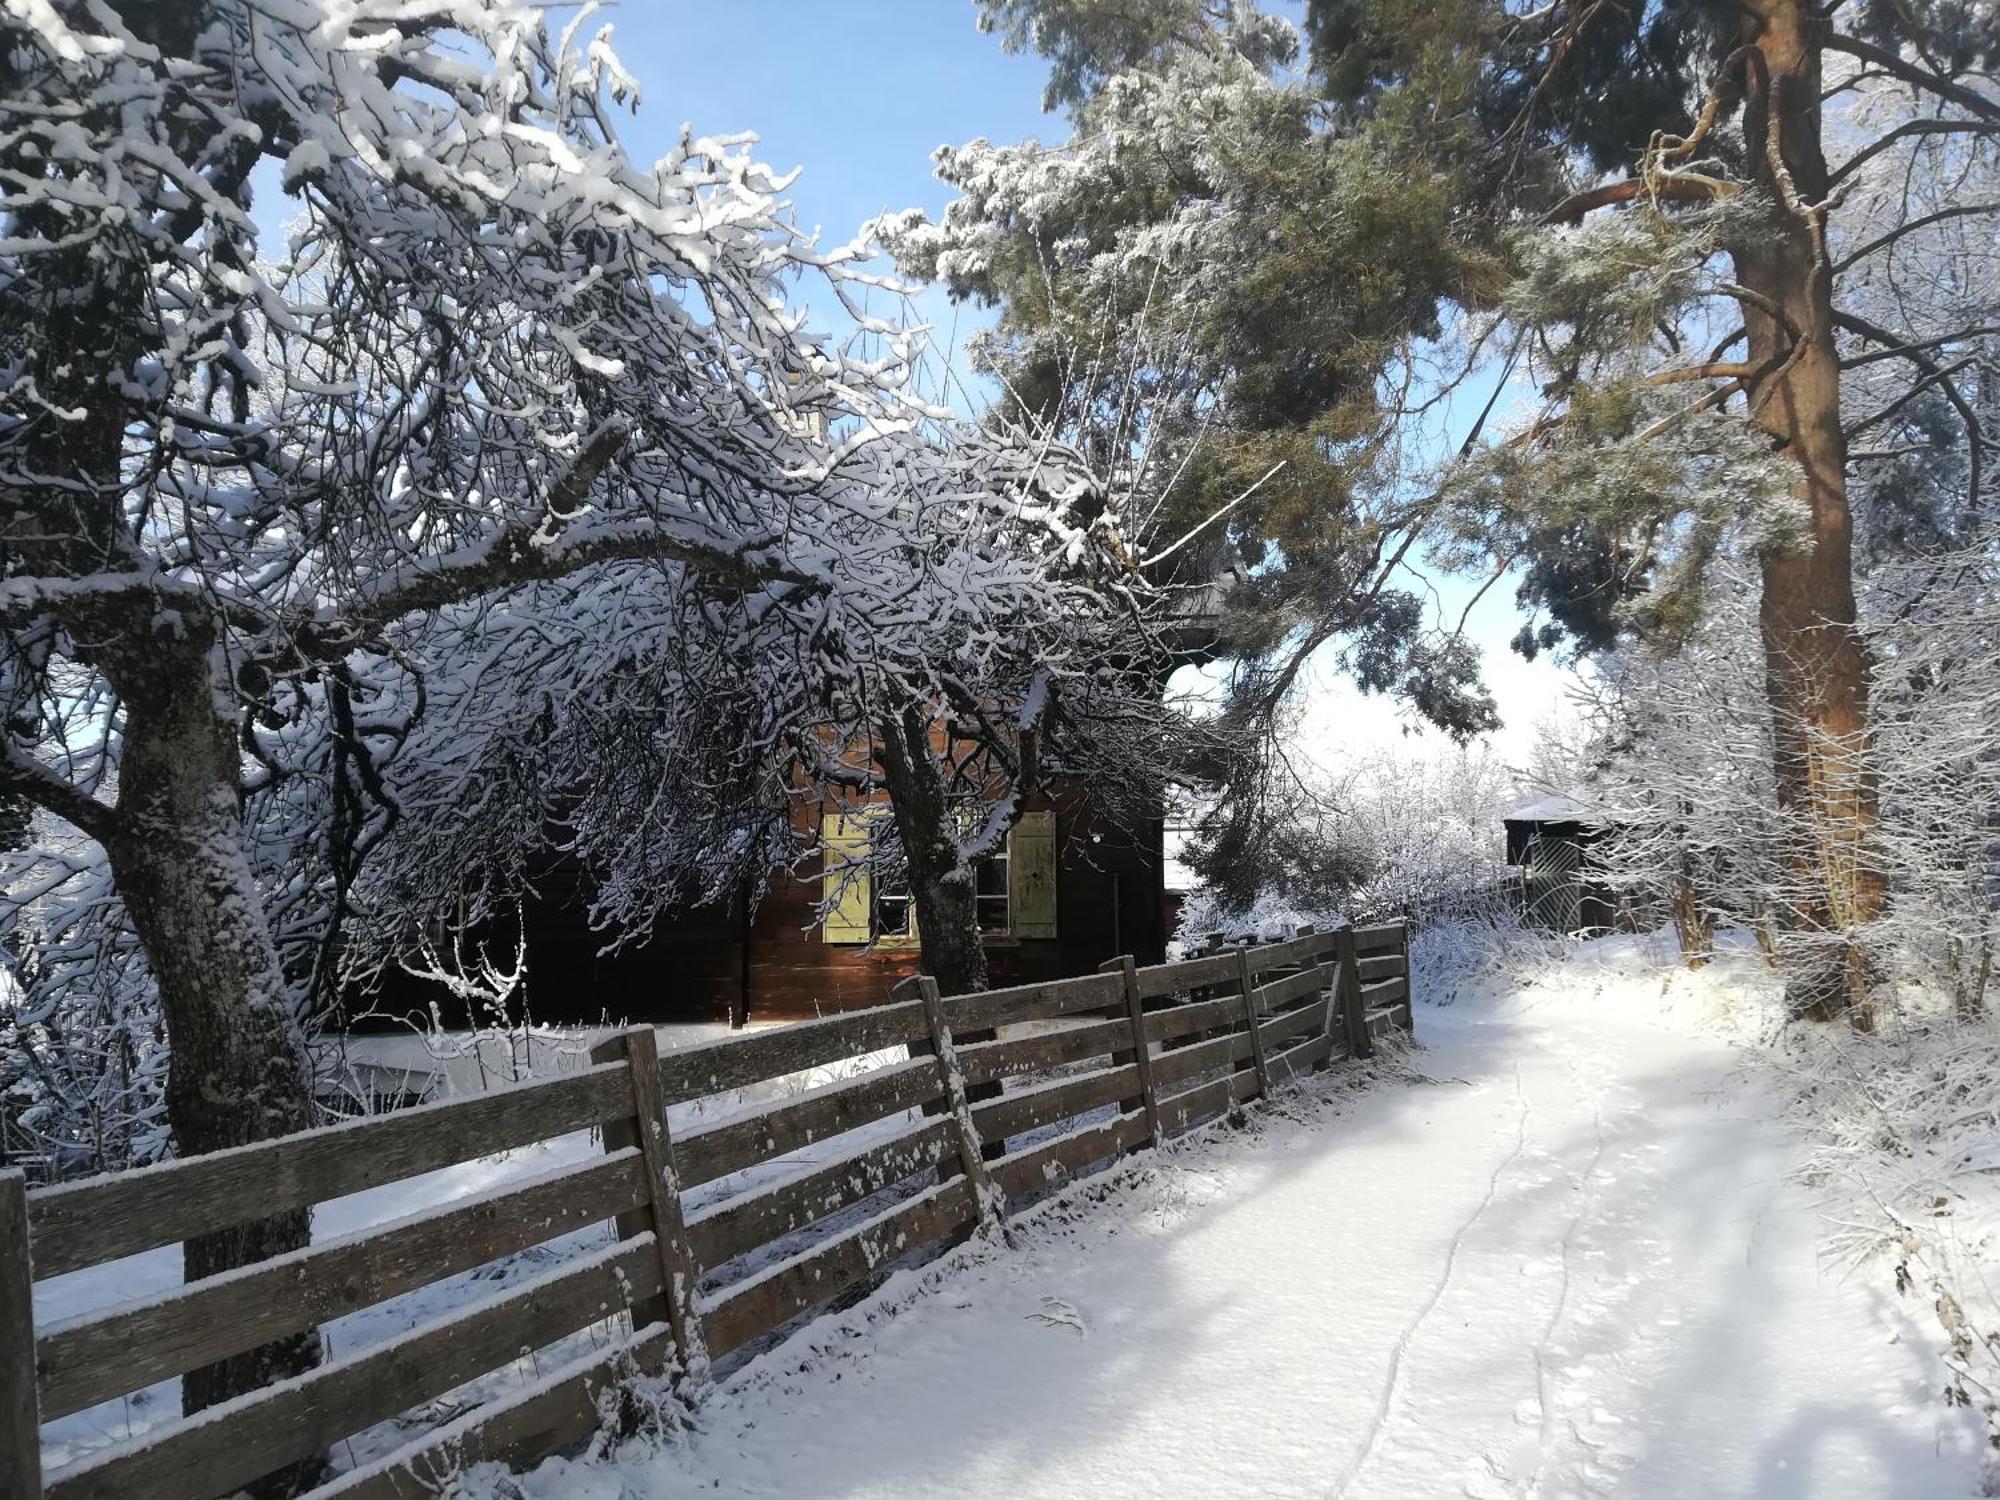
{"x": 1552, "y": 808}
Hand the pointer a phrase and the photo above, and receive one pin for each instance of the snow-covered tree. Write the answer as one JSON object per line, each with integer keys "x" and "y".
{"x": 1217, "y": 278}
{"x": 1386, "y": 834}
{"x": 1696, "y": 176}
{"x": 514, "y": 436}
{"x": 665, "y": 767}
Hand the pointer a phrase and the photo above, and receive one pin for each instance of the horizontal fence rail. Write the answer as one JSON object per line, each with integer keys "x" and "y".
{"x": 651, "y": 1249}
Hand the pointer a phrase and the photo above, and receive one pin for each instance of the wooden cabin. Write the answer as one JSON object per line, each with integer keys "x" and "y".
{"x": 1071, "y": 889}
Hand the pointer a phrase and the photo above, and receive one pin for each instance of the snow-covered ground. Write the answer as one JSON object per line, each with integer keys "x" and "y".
{"x": 1565, "y": 1252}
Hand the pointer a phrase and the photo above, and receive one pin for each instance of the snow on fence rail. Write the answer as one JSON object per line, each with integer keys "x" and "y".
{"x": 939, "y": 1143}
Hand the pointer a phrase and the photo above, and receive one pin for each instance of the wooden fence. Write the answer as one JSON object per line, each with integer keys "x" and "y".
{"x": 939, "y": 1143}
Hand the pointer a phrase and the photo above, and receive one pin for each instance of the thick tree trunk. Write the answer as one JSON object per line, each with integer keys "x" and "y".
{"x": 942, "y": 885}
{"x": 1816, "y": 671}
{"x": 175, "y": 841}
{"x": 238, "y": 1070}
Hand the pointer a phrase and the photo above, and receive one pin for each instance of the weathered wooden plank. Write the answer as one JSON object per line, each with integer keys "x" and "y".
{"x": 1384, "y": 937}
{"x": 1298, "y": 1060}
{"x": 518, "y": 1430}
{"x": 20, "y": 1420}
{"x": 1186, "y": 974}
{"x": 737, "y": 1225}
{"x": 1410, "y": 976}
{"x": 999, "y": 1119}
{"x": 1390, "y": 1018}
{"x": 1032, "y": 1002}
{"x": 1181, "y": 1111}
{"x": 1354, "y": 1015}
{"x": 773, "y": 1298}
{"x": 1202, "y": 1015}
{"x": 1183, "y": 1063}
{"x": 1381, "y": 966}
{"x": 985, "y": 1061}
{"x": 986, "y": 1196}
{"x": 1026, "y": 1172}
{"x": 704, "y": 1155}
{"x": 1185, "y": 1110}
{"x": 660, "y": 1216}
{"x": 1384, "y": 992}
{"x": 1304, "y": 949}
{"x": 93, "y": 1359}
{"x": 1289, "y": 1024}
{"x": 1280, "y": 993}
{"x": 104, "y": 1218}
{"x": 736, "y": 1062}
{"x": 1142, "y": 1049}
{"x": 233, "y": 1444}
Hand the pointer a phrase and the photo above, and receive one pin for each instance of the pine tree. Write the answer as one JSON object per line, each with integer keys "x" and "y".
{"x": 1210, "y": 283}
{"x": 1705, "y": 126}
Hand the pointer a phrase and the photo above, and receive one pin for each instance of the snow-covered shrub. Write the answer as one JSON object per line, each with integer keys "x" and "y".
{"x": 1419, "y": 837}
{"x": 1905, "y": 1130}
{"x": 1937, "y": 700}
{"x": 1679, "y": 768}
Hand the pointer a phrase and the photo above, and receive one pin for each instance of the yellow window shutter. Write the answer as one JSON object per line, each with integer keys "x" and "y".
{"x": 844, "y": 858}
{"x": 1031, "y": 876}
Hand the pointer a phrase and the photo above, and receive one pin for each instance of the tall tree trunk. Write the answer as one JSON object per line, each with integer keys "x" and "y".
{"x": 942, "y": 885}
{"x": 1816, "y": 671}
{"x": 175, "y": 840}
{"x": 238, "y": 1071}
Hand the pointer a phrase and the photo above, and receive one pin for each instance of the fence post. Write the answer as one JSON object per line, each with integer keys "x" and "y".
{"x": 1254, "y": 1021}
{"x": 986, "y": 1197}
{"x": 20, "y": 1413}
{"x": 1359, "y": 1042}
{"x": 639, "y": 1048}
{"x": 1142, "y": 1052}
{"x": 1409, "y": 980}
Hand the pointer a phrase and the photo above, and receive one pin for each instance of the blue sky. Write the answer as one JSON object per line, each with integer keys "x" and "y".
{"x": 857, "y": 95}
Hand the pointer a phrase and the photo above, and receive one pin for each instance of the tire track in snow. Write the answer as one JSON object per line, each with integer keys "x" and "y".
{"x": 1392, "y": 1388}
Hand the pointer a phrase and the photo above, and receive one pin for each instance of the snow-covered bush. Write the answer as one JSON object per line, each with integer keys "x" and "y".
{"x": 1905, "y": 1132}
{"x": 1398, "y": 836}
{"x": 1678, "y": 767}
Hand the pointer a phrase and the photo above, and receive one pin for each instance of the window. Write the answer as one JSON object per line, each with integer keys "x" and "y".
{"x": 1014, "y": 888}
{"x": 895, "y": 912}
{"x": 990, "y": 884}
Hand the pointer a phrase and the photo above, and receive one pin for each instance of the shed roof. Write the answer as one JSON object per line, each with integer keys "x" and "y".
{"x": 1554, "y": 807}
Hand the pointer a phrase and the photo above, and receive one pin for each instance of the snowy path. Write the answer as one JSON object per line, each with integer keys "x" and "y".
{"x": 1569, "y": 1263}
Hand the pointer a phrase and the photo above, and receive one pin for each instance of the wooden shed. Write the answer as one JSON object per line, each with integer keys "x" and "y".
{"x": 1550, "y": 840}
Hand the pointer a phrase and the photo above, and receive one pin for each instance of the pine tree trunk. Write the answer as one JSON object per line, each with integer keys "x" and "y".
{"x": 1816, "y": 671}
{"x": 238, "y": 1069}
